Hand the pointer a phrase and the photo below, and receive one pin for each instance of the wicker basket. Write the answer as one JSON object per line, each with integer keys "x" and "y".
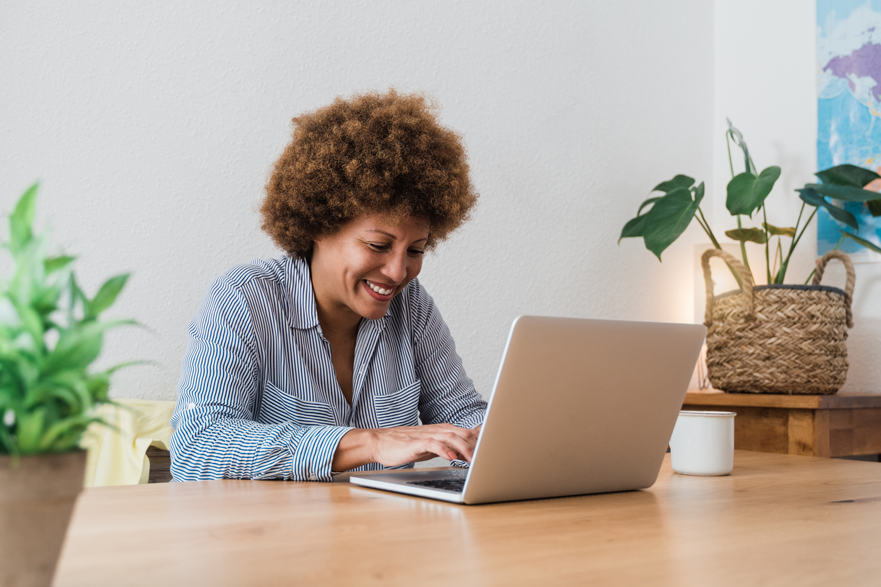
{"x": 786, "y": 339}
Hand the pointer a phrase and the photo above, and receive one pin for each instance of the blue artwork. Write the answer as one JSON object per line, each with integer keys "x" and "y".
{"x": 849, "y": 108}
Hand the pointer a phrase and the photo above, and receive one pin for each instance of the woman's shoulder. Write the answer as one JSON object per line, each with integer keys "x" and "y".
{"x": 262, "y": 278}
{"x": 271, "y": 270}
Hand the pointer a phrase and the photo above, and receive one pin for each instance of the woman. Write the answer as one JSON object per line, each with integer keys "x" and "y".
{"x": 324, "y": 360}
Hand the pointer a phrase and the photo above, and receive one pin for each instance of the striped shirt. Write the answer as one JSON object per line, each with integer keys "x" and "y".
{"x": 258, "y": 396}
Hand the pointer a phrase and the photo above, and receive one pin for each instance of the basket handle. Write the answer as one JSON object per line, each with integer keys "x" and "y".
{"x": 745, "y": 276}
{"x": 848, "y": 286}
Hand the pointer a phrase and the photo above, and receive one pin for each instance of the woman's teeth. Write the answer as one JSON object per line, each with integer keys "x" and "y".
{"x": 379, "y": 290}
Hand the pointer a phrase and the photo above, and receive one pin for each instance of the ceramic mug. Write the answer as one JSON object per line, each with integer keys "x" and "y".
{"x": 703, "y": 443}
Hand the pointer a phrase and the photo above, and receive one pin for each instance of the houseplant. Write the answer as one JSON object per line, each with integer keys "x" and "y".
{"x": 746, "y": 344}
{"x": 50, "y": 334}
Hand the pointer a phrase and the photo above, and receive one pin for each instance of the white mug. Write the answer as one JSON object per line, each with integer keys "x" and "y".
{"x": 703, "y": 443}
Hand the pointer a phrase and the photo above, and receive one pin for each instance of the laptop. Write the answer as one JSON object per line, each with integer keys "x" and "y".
{"x": 579, "y": 407}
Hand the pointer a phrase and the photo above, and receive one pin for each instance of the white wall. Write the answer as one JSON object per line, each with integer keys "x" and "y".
{"x": 152, "y": 127}
{"x": 766, "y": 83}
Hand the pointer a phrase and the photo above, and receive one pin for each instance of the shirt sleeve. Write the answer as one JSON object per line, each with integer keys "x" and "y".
{"x": 448, "y": 394}
{"x": 215, "y": 432}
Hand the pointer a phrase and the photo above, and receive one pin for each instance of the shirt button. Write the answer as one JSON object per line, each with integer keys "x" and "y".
{"x": 191, "y": 406}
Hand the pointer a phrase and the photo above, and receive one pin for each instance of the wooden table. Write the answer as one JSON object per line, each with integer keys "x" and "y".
{"x": 777, "y": 519}
{"x": 840, "y": 425}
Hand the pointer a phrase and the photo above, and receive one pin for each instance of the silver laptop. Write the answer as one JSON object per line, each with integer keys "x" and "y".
{"x": 579, "y": 406}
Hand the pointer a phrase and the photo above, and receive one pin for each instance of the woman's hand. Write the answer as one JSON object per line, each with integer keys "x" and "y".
{"x": 405, "y": 444}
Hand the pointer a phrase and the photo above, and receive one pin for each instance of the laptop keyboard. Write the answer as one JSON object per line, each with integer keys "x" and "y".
{"x": 454, "y": 485}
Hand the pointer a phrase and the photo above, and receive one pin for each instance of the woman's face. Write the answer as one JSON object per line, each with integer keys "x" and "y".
{"x": 359, "y": 269}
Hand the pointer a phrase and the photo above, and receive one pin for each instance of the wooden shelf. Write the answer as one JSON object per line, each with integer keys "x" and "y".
{"x": 839, "y": 401}
{"x": 840, "y": 425}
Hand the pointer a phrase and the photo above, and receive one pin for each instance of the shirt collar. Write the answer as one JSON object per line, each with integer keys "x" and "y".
{"x": 302, "y": 313}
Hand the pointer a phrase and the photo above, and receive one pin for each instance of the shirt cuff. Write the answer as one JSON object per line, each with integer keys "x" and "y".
{"x": 313, "y": 453}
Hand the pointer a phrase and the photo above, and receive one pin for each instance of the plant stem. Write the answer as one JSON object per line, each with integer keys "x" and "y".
{"x": 767, "y": 244}
{"x": 743, "y": 247}
{"x": 728, "y": 144}
{"x": 797, "y": 222}
{"x": 778, "y": 256}
{"x": 808, "y": 280}
{"x": 706, "y": 226}
{"x": 782, "y": 272}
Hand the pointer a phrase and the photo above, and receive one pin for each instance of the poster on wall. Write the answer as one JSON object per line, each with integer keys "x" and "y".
{"x": 849, "y": 110}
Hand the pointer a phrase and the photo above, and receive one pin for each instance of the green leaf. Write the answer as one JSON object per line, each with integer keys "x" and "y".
{"x": 813, "y": 198}
{"x": 755, "y": 235}
{"x": 22, "y": 219}
{"x": 776, "y": 231}
{"x": 861, "y": 241}
{"x": 737, "y": 137}
{"x": 78, "y": 347}
{"x": 669, "y": 217}
{"x": 646, "y": 203}
{"x": 106, "y": 295}
{"x": 31, "y": 322}
{"x": 69, "y": 429}
{"x": 633, "y": 228}
{"x": 844, "y": 193}
{"x": 874, "y": 207}
{"x": 54, "y": 264}
{"x": 847, "y": 175}
{"x": 30, "y": 430}
{"x": 46, "y": 394}
{"x": 746, "y": 192}
{"x": 680, "y": 181}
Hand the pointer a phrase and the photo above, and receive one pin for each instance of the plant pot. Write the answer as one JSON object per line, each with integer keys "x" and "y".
{"x": 780, "y": 339}
{"x": 37, "y": 496}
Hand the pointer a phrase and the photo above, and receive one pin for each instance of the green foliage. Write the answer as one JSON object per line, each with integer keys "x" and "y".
{"x": 668, "y": 216}
{"x": 754, "y": 235}
{"x": 814, "y": 198}
{"x": 747, "y": 193}
{"x": 862, "y": 241}
{"x": 671, "y": 214}
{"x": 50, "y": 333}
{"x": 777, "y": 231}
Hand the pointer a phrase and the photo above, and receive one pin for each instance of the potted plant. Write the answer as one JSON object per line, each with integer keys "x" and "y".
{"x": 50, "y": 334}
{"x": 747, "y": 338}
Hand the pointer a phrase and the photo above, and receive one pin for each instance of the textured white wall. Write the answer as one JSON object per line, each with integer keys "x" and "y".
{"x": 153, "y": 126}
{"x": 766, "y": 82}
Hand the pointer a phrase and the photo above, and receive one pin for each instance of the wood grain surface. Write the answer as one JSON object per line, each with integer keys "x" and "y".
{"x": 776, "y": 520}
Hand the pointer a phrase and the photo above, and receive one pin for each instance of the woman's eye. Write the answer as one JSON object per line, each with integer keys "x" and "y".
{"x": 378, "y": 248}
{"x": 417, "y": 252}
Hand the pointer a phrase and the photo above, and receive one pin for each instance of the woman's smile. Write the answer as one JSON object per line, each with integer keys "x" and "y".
{"x": 380, "y": 291}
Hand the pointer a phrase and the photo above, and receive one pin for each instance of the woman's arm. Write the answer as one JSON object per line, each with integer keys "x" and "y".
{"x": 216, "y": 435}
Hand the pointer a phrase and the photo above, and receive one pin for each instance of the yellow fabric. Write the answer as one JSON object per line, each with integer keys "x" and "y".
{"x": 117, "y": 456}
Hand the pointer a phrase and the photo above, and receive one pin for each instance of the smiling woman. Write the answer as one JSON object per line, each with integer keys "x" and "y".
{"x": 327, "y": 358}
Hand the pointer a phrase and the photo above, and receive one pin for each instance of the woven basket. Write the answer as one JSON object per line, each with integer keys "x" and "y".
{"x": 786, "y": 339}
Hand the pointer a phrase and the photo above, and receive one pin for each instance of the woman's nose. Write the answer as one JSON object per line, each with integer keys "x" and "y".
{"x": 396, "y": 268}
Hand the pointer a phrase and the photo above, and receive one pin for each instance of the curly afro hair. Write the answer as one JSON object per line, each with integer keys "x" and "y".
{"x": 372, "y": 153}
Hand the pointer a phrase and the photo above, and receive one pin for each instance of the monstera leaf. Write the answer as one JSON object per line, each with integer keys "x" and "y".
{"x": 668, "y": 216}
{"x": 746, "y": 192}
